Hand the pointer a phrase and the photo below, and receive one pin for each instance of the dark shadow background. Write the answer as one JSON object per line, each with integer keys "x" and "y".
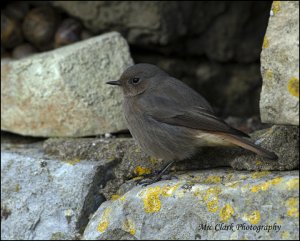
{"x": 219, "y": 54}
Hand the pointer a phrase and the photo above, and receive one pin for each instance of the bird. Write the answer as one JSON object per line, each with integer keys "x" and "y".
{"x": 170, "y": 120}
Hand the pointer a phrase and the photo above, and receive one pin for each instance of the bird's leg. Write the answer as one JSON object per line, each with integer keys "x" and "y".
{"x": 157, "y": 175}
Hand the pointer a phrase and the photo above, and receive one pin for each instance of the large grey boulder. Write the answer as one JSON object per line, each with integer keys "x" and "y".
{"x": 63, "y": 92}
{"x": 45, "y": 198}
{"x": 279, "y": 100}
{"x": 211, "y": 204}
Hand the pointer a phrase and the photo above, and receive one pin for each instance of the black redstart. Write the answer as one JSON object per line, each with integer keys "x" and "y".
{"x": 169, "y": 120}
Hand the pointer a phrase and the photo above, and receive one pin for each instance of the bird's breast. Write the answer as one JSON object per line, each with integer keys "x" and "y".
{"x": 158, "y": 139}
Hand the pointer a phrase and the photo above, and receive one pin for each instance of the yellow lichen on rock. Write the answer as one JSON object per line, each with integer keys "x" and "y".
{"x": 167, "y": 191}
{"x": 226, "y": 212}
{"x": 129, "y": 226}
{"x": 213, "y": 179}
{"x": 228, "y": 177}
{"x": 276, "y": 180}
{"x": 266, "y": 42}
{"x": 275, "y": 7}
{"x": 114, "y": 197}
{"x": 293, "y": 86}
{"x": 293, "y": 184}
{"x": 137, "y": 178}
{"x": 268, "y": 74}
{"x": 253, "y": 217}
{"x": 292, "y": 205}
{"x": 140, "y": 171}
{"x": 151, "y": 196}
{"x": 103, "y": 224}
{"x": 258, "y": 163}
{"x": 285, "y": 235}
{"x": 197, "y": 191}
{"x": 73, "y": 162}
{"x": 234, "y": 184}
{"x": 266, "y": 185}
{"x": 17, "y": 187}
{"x": 260, "y": 174}
{"x": 151, "y": 199}
{"x": 211, "y": 199}
{"x": 213, "y": 205}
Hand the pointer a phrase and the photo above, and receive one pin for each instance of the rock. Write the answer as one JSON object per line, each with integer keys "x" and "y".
{"x": 283, "y": 140}
{"x": 279, "y": 99}
{"x": 23, "y": 50}
{"x": 87, "y": 148}
{"x": 40, "y": 185}
{"x": 221, "y": 31}
{"x": 63, "y": 92}
{"x": 201, "y": 205}
{"x": 43, "y": 197}
{"x": 131, "y": 162}
{"x": 143, "y": 23}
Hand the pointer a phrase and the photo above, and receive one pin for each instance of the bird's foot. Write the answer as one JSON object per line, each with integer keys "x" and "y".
{"x": 157, "y": 176}
{"x": 150, "y": 180}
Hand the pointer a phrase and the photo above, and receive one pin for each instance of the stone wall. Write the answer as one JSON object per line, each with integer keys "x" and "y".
{"x": 194, "y": 41}
{"x": 279, "y": 101}
{"x": 90, "y": 188}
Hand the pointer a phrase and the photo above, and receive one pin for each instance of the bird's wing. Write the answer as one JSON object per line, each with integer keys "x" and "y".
{"x": 194, "y": 117}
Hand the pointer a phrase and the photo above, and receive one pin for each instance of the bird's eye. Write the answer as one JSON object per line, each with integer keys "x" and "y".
{"x": 135, "y": 80}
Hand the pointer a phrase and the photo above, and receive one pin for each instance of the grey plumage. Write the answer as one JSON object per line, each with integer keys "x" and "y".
{"x": 169, "y": 120}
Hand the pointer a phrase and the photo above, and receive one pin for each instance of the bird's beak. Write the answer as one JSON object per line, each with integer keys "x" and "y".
{"x": 117, "y": 82}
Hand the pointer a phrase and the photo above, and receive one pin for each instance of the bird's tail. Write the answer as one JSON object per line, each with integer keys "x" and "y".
{"x": 247, "y": 144}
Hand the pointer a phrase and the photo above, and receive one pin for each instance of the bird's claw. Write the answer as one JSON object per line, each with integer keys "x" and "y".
{"x": 153, "y": 179}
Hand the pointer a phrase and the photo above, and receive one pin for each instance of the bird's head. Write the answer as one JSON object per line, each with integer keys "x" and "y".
{"x": 139, "y": 78}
